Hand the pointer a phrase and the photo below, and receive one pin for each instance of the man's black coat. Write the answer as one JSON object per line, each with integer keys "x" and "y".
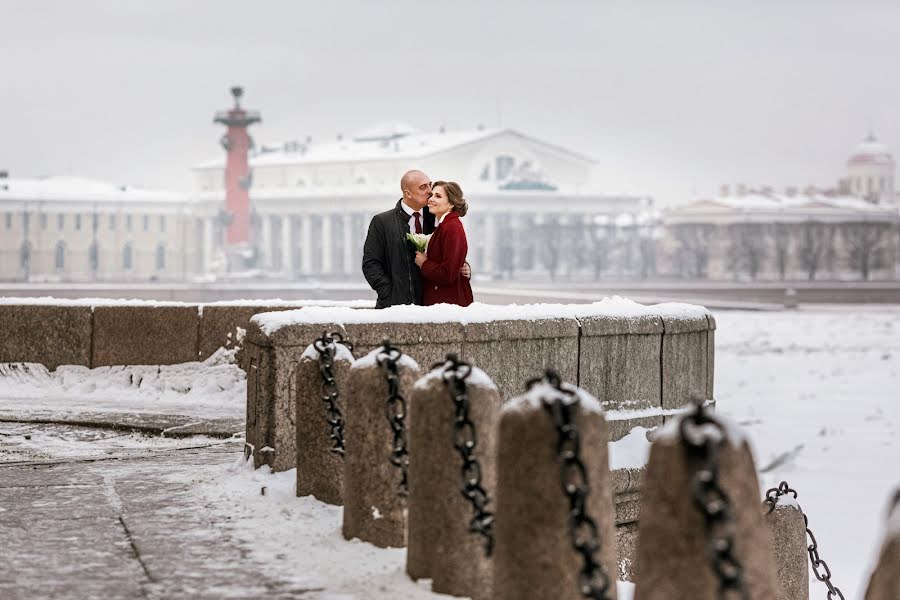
{"x": 389, "y": 258}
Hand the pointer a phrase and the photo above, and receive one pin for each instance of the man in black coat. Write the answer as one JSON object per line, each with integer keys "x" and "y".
{"x": 388, "y": 258}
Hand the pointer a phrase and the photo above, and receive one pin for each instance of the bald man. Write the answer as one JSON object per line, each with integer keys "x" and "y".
{"x": 388, "y": 259}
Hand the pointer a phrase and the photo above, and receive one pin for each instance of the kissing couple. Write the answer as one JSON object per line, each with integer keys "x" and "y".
{"x": 401, "y": 273}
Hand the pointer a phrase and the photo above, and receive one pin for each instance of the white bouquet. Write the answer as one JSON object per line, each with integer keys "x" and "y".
{"x": 419, "y": 240}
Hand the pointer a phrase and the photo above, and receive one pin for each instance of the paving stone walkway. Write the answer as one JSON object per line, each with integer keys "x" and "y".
{"x": 116, "y": 526}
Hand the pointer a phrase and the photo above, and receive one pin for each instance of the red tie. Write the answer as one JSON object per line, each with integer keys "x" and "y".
{"x": 418, "y": 222}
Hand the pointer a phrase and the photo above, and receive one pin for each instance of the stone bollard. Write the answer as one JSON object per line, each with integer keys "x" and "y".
{"x": 319, "y": 418}
{"x": 535, "y": 557}
{"x": 787, "y": 528}
{"x": 689, "y": 456}
{"x": 449, "y": 534}
{"x": 375, "y": 465}
{"x": 884, "y": 584}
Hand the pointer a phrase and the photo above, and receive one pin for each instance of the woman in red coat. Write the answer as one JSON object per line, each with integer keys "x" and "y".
{"x": 447, "y": 248}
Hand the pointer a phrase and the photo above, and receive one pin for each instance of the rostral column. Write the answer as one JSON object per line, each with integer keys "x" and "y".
{"x": 238, "y": 178}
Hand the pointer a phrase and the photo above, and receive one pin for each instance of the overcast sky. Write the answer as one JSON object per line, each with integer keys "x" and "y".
{"x": 672, "y": 97}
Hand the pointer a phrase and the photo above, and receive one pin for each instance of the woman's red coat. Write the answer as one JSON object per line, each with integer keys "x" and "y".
{"x": 447, "y": 251}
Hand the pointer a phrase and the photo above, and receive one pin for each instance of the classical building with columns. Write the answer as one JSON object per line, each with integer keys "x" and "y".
{"x": 312, "y": 201}
{"x": 60, "y": 229}
{"x": 848, "y": 232}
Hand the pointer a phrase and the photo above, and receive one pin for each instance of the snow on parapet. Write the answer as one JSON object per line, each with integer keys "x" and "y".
{"x": 733, "y": 433}
{"x": 533, "y": 399}
{"x": 630, "y": 452}
{"x": 476, "y": 378}
{"x": 615, "y": 306}
{"x": 371, "y": 359}
{"x": 342, "y": 352}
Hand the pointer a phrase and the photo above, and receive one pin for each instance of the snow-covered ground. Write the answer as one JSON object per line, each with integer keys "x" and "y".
{"x": 214, "y": 388}
{"x": 816, "y": 391}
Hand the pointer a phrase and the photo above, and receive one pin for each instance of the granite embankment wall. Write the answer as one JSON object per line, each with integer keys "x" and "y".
{"x": 644, "y": 363}
{"x": 98, "y": 332}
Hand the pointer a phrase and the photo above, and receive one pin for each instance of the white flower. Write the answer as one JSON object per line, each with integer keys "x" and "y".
{"x": 419, "y": 240}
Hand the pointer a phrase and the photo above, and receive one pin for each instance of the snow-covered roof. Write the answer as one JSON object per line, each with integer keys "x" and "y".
{"x": 62, "y": 188}
{"x": 755, "y": 204}
{"x": 390, "y": 141}
{"x": 870, "y": 151}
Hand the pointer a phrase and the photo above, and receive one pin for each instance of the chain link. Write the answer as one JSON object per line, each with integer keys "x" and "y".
{"x": 465, "y": 441}
{"x": 396, "y": 412}
{"x": 584, "y": 534}
{"x": 703, "y": 435}
{"x": 815, "y": 560}
{"x": 327, "y": 348}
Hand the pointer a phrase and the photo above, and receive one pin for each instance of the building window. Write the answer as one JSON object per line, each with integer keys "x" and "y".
{"x": 77, "y": 222}
{"x": 128, "y": 223}
{"x": 146, "y": 222}
{"x": 61, "y": 222}
{"x": 9, "y": 220}
{"x": 160, "y": 257}
{"x": 504, "y": 167}
{"x": 60, "y": 256}
{"x": 127, "y": 257}
{"x": 162, "y": 224}
{"x": 25, "y": 257}
{"x": 95, "y": 221}
{"x": 94, "y": 257}
{"x": 112, "y": 222}
{"x": 44, "y": 221}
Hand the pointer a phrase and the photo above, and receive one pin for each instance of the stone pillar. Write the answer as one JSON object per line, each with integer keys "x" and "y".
{"x": 788, "y": 532}
{"x": 440, "y": 545}
{"x": 374, "y": 509}
{"x": 320, "y": 471}
{"x": 287, "y": 245}
{"x": 672, "y": 556}
{"x": 327, "y": 245}
{"x": 208, "y": 245}
{"x": 884, "y": 583}
{"x": 265, "y": 243}
{"x": 349, "y": 245}
{"x": 534, "y": 555}
{"x": 306, "y": 245}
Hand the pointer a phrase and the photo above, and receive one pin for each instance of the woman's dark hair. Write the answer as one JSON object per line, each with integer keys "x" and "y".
{"x": 454, "y": 195}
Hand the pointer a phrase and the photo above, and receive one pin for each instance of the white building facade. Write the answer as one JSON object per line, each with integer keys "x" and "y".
{"x": 312, "y": 203}
{"x": 61, "y": 229}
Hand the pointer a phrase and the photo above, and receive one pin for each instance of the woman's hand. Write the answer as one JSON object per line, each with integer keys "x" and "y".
{"x": 420, "y": 259}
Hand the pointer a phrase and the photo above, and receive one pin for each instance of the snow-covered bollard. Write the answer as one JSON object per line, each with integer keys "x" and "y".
{"x": 884, "y": 584}
{"x": 701, "y": 529}
{"x": 452, "y": 428}
{"x": 375, "y": 467}
{"x": 555, "y": 516}
{"x": 322, "y": 377}
{"x": 787, "y": 528}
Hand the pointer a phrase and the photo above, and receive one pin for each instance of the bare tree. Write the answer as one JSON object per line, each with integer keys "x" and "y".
{"x": 647, "y": 253}
{"x": 747, "y": 249}
{"x": 812, "y": 246}
{"x": 781, "y": 242}
{"x": 863, "y": 242}
{"x": 601, "y": 248}
{"x": 693, "y": 240}
{"x": 550, "y": 246}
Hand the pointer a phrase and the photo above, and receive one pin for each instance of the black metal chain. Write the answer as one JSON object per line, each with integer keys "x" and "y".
{"x": 815, "y": 560}
{"x": 327, "y": 348}
{"x": 584, "y": 534}
{"x": 703, "y": 435}
{"x": 465, "y": 441}
{"x": 395, "y": 411}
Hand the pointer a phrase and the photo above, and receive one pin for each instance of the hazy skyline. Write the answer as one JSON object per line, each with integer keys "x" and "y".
{"x": 672, "y": 99}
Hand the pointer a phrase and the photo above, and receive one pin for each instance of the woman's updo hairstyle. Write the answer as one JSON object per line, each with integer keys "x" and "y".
{"x": 454, "y": 195}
